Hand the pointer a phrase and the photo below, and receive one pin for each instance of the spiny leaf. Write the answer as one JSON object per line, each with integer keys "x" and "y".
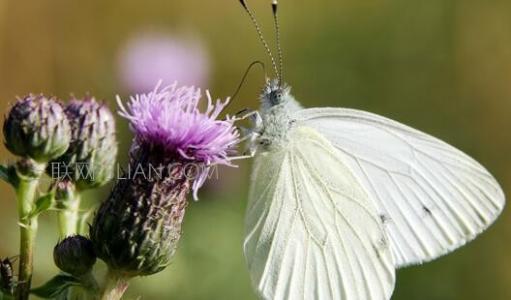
{"x": 55, "y": 286}
{"x": 7, "y": 175}
{"x": 4, "y": 174}
{"x": 43, "y": 203}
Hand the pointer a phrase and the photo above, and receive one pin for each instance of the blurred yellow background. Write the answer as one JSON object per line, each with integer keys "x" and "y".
{"x": 442, "y": 66}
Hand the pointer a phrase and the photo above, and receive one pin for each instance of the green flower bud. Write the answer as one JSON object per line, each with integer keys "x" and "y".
{"x": 75, "y": 255}
{"x": 65, "y": 194}
{"x": 37, "y": 127}
{"x": 90, "y": 159}
{"x": 136, "y": 230}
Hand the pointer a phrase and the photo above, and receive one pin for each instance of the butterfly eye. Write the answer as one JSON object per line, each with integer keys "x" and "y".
{"x": 276, "y": 97}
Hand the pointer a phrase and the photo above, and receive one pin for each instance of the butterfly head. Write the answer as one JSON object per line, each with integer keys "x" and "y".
{"x": 275, "y": 93}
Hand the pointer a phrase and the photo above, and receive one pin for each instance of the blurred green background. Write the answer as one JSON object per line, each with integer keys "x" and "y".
{"x": 442, "y": 66}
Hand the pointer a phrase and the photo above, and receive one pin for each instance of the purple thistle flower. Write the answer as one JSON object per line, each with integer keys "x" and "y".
{"x": 136, "y": 230}
{"x": 169, "y": 119}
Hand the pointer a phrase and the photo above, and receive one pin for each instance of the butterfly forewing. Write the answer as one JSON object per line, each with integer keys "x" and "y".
{"x": 311, "y": 231}
{"x": 431, "y": 197}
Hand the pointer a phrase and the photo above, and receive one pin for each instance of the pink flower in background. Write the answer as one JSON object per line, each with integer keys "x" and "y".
{"x": 149, "y": 57}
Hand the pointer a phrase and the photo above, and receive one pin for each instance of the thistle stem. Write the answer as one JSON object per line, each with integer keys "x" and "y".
{"x": 69, "y": 225}
{"x": 89, "y": 290}
{"x": 69, "y": 218}
{"x": 115, "y": 286}
{"x": 25, "y": 193}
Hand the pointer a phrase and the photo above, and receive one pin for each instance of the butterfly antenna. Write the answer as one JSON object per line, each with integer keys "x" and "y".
{"x": 274, "y": 6}
{"x": 243, "y": 79}
{"x": 261, "y": 36}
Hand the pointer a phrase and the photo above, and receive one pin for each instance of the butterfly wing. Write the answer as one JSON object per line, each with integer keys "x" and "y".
{"x": 431, "y": 197}
{"x": 311, "y": 231}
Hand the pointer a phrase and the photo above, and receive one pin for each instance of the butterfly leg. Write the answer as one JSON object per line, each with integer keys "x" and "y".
{"x": 240, "y": 157}
{"x": 253, "y": 115}
{"x": 249, "y": 134}
{"x": 251, "y": 146}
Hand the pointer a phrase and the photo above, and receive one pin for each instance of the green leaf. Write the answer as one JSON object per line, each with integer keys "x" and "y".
{"x": 7, "y": 175}
{"x": 5, "y": 296}
{"x": 43, "y": 203}
{"x": 55, "y": 286}
{"x": 4, "y": 173}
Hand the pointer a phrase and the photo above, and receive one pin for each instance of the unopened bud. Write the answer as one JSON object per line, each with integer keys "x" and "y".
{"x": 75, "y": 255}
{"x": 64, "y": 194}
{"x": 37, "y": 128}
{"x": 92, "y": 153}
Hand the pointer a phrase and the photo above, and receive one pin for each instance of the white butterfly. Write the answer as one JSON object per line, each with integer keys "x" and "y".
{"x": 340, "y": 198}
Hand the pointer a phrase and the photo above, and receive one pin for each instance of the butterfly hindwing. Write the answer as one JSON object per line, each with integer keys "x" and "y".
{"x": 311, "y": 231}
{"x": 431, "y": 197}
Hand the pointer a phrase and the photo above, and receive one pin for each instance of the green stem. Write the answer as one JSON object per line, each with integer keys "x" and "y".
{"x": 69, "y": 218}
{"x": 88, "y": 290}
{"x": 25, "y": 193}
{"x": 115, "y": 286}
{"x": 83, "y": 225}
{"x": 69, "y": 223}
{"x": 90, "y": 282}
